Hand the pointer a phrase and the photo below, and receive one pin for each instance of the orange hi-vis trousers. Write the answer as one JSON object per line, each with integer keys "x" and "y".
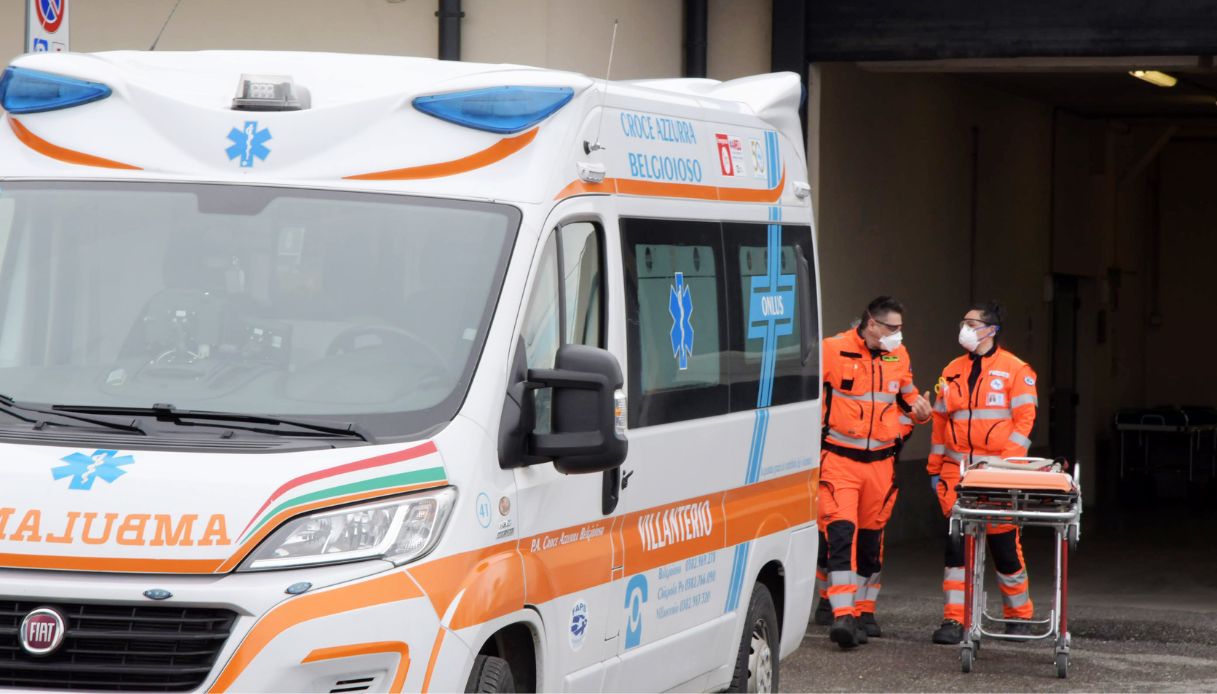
{"x": 1006, "y": 548}
{"x": 856, "y": 501}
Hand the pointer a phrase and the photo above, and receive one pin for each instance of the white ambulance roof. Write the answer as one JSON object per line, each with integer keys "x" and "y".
{"x": 170, "y": 117}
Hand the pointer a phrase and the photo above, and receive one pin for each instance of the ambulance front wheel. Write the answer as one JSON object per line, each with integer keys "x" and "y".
{"x": 490, "y": 674}
{"x": 756, "y": 665}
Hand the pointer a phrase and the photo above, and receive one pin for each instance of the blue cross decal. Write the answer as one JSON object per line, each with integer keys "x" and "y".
{"x": 771, "y": 312}
{"x": 248, "y": 143}
{"x": 680, "y": 306}
{"x": 85, "y": 469}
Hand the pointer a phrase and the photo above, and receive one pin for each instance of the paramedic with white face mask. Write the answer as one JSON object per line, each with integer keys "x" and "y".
{"x": 985, "y": 407}
{"x": 870, "y": 406}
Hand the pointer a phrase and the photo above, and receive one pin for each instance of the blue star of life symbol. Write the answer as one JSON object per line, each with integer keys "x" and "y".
{"x": 85, "y": 469}
{"x": 248, "y": 143}
{"x": 680, "y": 306}
{"x": 771, "y": 312}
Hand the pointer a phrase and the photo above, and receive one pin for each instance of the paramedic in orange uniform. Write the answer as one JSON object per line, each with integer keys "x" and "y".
{"x": 870, "y": 404}
{"x": 985, "y": 407}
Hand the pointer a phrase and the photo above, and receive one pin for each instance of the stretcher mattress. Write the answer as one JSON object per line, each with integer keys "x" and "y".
{"x": 990, "y": 479}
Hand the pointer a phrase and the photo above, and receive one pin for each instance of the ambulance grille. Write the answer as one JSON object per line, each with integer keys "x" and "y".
{"x": 117, "y": 647}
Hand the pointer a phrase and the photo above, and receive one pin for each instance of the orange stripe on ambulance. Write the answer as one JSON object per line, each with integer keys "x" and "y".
{"x": 674, "y": 525}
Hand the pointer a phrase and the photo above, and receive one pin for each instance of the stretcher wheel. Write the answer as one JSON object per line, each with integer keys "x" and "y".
{"x": 1062, "y": 665}
{"x": 965, "y": 659}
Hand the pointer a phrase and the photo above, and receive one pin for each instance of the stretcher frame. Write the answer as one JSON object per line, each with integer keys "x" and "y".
{"x": 1021, "y": 492}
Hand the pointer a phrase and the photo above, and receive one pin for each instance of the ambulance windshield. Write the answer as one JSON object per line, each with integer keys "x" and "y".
{"x": 358, "y": 307}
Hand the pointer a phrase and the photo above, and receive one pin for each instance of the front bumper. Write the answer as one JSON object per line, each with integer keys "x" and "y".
{"x": 363, "y": 627}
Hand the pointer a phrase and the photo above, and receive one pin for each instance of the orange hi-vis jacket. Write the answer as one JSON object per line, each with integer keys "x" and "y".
{"x": 985, "y": 406}
{"x": 867, "y": 395}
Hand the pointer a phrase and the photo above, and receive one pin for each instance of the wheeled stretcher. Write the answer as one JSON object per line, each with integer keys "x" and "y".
{"x": 1021, "y": 492}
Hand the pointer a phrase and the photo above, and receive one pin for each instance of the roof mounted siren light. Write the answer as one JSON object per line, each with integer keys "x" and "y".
{"x": 503, "y": 110}
{"x": 31, "y": 91}
{"x": 270, "y": 93}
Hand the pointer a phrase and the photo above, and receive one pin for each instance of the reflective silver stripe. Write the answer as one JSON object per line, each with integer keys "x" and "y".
{"x": 953, "y": 573}
{"x": 865, "y": 444}
{"x": 982, "y": 414}
{"x": 1016, "y": 600}
{"x": 938, "y": 449}
{"x": 954, "y": 597}
{"x": 866, "y": 397}
{"x": 940, "y": 405}
{"x": 873, "y": 584}
{"x": 1020, "y": 439}
{"x": 1021, "y": 400}
{"x": 910, "y": 388}
{"x": 1012, "y": 580}
{"x": 904, "y": 420}
{"x": 840, "y": 578}
{"x": 844, "y": 598}
{"x": 957, "y": 456}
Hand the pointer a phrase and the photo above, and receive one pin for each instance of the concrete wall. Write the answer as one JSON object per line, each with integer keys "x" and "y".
{"x": 564, "y": 34}
{"x": 899, "y": 161}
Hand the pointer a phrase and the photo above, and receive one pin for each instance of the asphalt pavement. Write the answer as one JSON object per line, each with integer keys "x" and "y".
{"x": 1142, "y": 611}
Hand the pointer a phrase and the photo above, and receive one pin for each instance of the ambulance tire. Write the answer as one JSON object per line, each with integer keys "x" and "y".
{"x": 756, "y": 666}
{"x": 490, "y": 674}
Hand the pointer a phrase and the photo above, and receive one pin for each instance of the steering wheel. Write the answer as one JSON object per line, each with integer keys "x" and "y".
{"x": 344, "y": 342}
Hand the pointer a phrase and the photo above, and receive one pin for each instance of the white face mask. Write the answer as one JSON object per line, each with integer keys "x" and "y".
{"x": 889, "y": 343}
{"x": 968, "y": 339}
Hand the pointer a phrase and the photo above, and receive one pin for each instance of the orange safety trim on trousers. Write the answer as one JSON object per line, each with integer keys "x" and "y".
{"x": 494, "y": 153}
{"x": 953, "y": 585}
{"x": 386, "y": 588}
{"x": 691, "y": 191}
{"x": 398, "y": 647}
{"x": 439, "y": 640}
{"x": 1013, "y": 590}
{"x": 63, "y": 154}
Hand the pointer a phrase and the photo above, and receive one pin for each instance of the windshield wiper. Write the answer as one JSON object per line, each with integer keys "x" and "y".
{"x": 168, "y": 413}
{"x": 13, "y": 408}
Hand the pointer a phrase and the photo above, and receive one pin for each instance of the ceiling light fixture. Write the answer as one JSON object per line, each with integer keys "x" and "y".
{"x": 1154, "y": 77}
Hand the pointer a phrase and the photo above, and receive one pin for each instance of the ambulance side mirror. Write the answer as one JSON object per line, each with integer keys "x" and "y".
{"x": 586, "y": 435}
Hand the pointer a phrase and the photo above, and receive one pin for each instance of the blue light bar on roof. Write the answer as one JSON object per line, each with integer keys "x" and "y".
{"x": 496, "y": 109}
{"x": 31, "y": 91}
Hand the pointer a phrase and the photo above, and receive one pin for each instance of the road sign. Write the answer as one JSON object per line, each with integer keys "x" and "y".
{"x": 46, "y": 26}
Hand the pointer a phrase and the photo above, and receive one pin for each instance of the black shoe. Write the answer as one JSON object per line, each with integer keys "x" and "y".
{"x": 867, "y": 620}
{"x": 844, "y": 632}
{"x": 823, "y": 616}
{"x": 1018, "y": 629}
{"x": 950, "y": 632}
{"x": 860, "y": 632}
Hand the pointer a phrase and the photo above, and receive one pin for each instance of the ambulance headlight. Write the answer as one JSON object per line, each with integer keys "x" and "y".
{"x": 31, "y": 91}
{"x": 496, "y": 109}
{"x": 399, "y": 530}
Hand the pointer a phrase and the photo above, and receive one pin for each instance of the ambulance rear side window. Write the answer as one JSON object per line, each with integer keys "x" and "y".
{"x": 676, "y": 312}
{"x": 717, "y": 321}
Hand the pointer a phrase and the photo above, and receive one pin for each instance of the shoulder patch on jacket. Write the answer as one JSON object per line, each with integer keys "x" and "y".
{"x": 890, "y": 357}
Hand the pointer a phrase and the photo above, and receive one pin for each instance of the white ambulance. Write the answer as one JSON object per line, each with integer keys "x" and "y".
{"x": 318, "y": 373}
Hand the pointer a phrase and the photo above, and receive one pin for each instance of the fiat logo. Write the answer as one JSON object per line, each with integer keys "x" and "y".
{"x": 42, "y": 631}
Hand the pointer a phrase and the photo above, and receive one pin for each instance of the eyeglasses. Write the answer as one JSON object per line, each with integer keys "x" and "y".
{"x": 889, "y": 326}
{"x": 973, "y": 323}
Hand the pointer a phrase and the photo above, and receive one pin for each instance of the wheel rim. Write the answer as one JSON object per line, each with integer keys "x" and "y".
{"x": 760, "y": 659}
